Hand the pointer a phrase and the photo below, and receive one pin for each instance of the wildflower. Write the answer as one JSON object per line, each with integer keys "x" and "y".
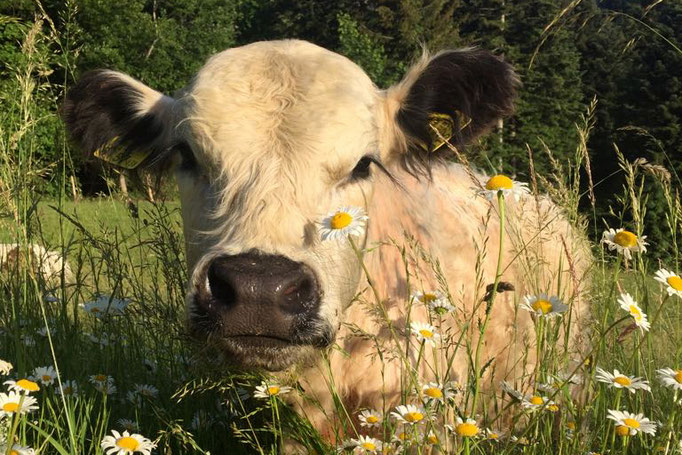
{"x": 16, "y": 449}
{"x": 434, "y": 392}
{"x": 515, "y": 394}
{"x": 542, "y": 305}
{"x": 342, "y": 223}
{"x": 69, "y": 388}
{"x": 671, "y": 378}
{"x": 624, "y": 242}
{"x": 150, "y": 365}
{"x": 103, "y": 383}
{"x": 501, "y": 183}
{"x": 128, "y": 425}
{"x": 631, "y": 424}
{"x": 43, "y": 331}
{"x": 49, "y": 298}
{"x": 28, "y": 340}
{"x": 493, "y": 435}
{"x": 628, "y": 304}
{"x": 46, "y": 375}
{"x": 401, "y": 435}
{"x": 432, "y": 438}
{"x": 105, "y": 306}
{"x": 102, "y": 339}
{"x": 621, "y": 381}
{"x": 126, "y": 443}
{"x": 673, "y": 282}
{"x": 366, "y": 444}
{"x": 5, "y": 367}
{"x": 23, "y": 386}
{"x": 534, "y": 402}
{"x": 370, "y": 418}
{"x": 436, "y": 302}
{"x": 270, "y": 389}
{"x": 466, "y": 428}
{"x": 552, "y": 406}
{"x": 409, "y": 414}
{"x": 425, "y": 332}
{"x": 146, "y": 390}
{"x": 14, "y": 402}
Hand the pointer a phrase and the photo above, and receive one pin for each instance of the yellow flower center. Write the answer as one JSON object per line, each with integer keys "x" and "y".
{"x": 542, "y": 305}
{"x": 499, "y": 182}
{"x": 47, "y": 378}
{"x": 493, "y": 436}
{"x": 429, "y": 297}
{"x": 128, "y": 443}
{"x": 68, "y": 390}
{"x": 622, "y": 380}
{"x": 570, "y": 425}
{"x": 678, "y": 376}
{"x": 632, "y": 423}
{"x": 466, "y": 429}
{"x": 101, "y": 377}
{"x": 536, "y": 400}
{"x": 553, "y": 408}
{"x": 28, "y": 385}
{"x": 414, "y": 416}
{"x": 341, "y": 220}
{"x": 434, "y": 392}
{"x": 13, "y": 452}
{"x": 675, "y": 282}
{"x": 622, "y": 430}
{"x": 626, "y": 239}
{"x": 426, "y": 333}
{"x": 401, "y": 436}
{"x": 273, "y": 390}
{"x": 369, "y": 446}
{"x": 372, "y": 419}
{"x": 10, "y": 407}
{"x": 635, "y": 312}
{"x": 432, "y": 439}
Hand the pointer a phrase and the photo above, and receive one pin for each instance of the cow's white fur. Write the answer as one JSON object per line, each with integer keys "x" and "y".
{"x": 277, "y": 128}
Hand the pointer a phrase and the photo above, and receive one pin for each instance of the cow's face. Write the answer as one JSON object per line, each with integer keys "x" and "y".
{"x": 265, "y": 142}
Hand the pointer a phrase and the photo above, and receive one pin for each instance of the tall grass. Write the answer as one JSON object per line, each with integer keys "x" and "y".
{"x": 132, "y": 255}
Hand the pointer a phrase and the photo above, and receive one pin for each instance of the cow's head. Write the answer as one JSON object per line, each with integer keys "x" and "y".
{"x": 266, "y": 141}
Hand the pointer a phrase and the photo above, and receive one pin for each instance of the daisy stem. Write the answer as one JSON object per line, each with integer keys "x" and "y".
{"x": 15, "y": 424}
{"x": 672, "y": 425}
{"x": 619, "y": 392}
{"x": 466, "y": 446}
{"x": 489, "y": 307}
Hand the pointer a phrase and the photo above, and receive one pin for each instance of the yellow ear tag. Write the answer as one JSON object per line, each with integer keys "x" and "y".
{"x": 445, "y": 126}
{"x": 121, "y": 157}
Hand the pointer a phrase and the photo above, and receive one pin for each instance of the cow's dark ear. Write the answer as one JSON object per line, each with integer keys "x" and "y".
{"x": 461, "y": 93}
{"x": 120, "y": 120}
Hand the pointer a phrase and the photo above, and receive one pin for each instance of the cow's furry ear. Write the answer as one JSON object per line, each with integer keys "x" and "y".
{"x": 119, "y": 119}
{"x": 460, "y": 92}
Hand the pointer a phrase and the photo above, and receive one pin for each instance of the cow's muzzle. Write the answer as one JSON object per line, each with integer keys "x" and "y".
{"x": 259, "y": 308}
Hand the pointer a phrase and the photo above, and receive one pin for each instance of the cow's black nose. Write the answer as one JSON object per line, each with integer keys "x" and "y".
{"x": 259, "y": 282}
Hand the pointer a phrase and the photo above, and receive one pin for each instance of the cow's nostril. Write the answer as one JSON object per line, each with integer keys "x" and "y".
{"x": 221, "y": 286}
{"x": 300, "y": 292}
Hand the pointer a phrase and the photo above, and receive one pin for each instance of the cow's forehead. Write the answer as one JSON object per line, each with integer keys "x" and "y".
{"x": 285, "y": 99}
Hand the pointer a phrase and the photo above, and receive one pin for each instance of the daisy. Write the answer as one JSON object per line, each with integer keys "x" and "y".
{"x": 5, "y": 367}
{"x": 434, "y": 392}
{"x": 511, "y": 391}
{"x": 466, "y": 428}
{"x": 128, "y": 425}
{"x": 370, "y": 418}
{"x": 23, "y": 386}
{"x": 69, "y": 388}
{"x": 14, "y": 402}
{"x": 105, "y": 306}
{"x": 126, "y": 443}
{"x": 672, "y": 281}
{"x": 432, "y": 438}
{"x": 146, "y": 390}
{"x": 671, "y": 378}
{"x": 43, "y": 332}
{"x": 366, "y": 444}
{"x": 624, "y": 242}
{"x": 533, "y": 402}
{"x": 409, "y": 414}
{"x": 501, "y": 183}
{"x": 493, "y": 435}
{"x": 401, "y": 435}
{"x": 435, "y": 300}
{"x": 16, "y": 449}
{"x": 631, "y": 424}
{"x": 342, "y": 223}
{"x": 542, "y": 305}
{"x": 621, "y": 381}
{"x": 270, "y": 389}
{"x": 628, "y": 304}
{"x": 46, "y": 375}
{"x": 425, "y": 332}
{"x": 103, "y": 383}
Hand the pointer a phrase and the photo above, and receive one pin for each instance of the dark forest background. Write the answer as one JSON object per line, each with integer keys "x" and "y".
{"x": 624, "y": 53}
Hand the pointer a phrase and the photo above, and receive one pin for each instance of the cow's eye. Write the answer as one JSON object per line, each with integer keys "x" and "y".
{"x": 361, "y": 170}
{"x": 189, "y": 162}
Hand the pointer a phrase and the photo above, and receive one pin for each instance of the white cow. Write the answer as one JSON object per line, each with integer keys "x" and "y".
{"x": 270, "y": 138}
